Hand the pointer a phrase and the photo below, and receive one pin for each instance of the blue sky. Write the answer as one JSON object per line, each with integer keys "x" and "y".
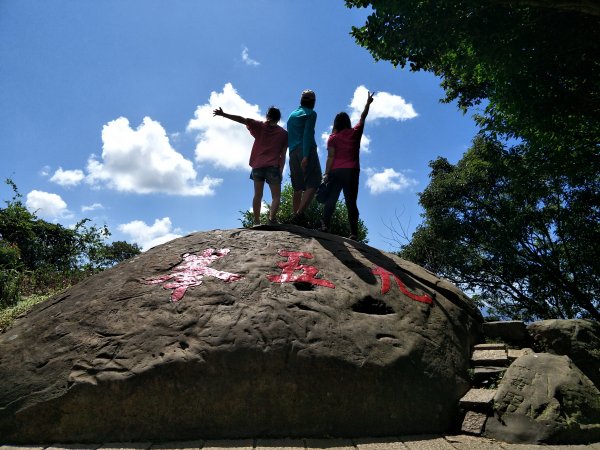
{"x": 106, "y": 110}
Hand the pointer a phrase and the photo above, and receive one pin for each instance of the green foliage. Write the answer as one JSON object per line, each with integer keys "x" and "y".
{"x": 536, "y": 64}
{"x": 527, "y": 248}
{"x": 516, "y": 226}
{"x": 313, "y": 215}
{"x": 10, "y": 313}
{"x": 40, "y": 257}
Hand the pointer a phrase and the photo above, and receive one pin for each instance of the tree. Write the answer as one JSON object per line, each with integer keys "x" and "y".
{"x": 527, "y": 249}
{"x": 536, "y": 64}
{"x": 515, "y": 223}
{"x": 313, "y": 215}
{"x": 45, "y": 256}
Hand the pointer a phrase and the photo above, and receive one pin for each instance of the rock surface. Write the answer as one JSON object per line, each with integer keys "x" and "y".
{"x": 578, "y": 339}
{"x": 545, "y": 398}
{"x": 267, "y": 332}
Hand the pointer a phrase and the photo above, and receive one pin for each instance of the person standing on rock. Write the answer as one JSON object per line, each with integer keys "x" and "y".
{"x": 267, "y": 158}
{"x": 305, "y": 168}
{"x": 342, "y": 168}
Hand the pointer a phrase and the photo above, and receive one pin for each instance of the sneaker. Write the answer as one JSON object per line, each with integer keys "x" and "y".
{"x": 272, "y": 222}
{"x": 298, "y": 219}
{"x": 353, "y": 237}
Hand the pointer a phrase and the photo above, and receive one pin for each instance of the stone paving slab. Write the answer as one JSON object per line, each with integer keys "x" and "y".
{"x": 184, "y": 445}
{"x": 280, "y": 444}
{"x": 421, "y": 442}
{"x": 73, "y": 447}
{"x": 430, "y": 442}
{"x": 13, "y": 447}
{"x": 126, "y": 446}
{"x": 243, "y": 444}
{"x": 379, "y": 444}
{"x": 466, "y": 442}
{"x": 342, "y": 444}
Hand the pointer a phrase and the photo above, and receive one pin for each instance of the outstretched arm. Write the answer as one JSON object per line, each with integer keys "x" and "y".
{"x": 363, "y": 116}
{"x": 239, "y": 119}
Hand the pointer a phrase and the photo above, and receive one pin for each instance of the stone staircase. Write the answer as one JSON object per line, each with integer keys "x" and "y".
{"x": 489, "y": 361}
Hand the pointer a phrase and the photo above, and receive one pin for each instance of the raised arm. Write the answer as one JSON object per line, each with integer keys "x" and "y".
{"x": 239, "y": 119}
{"x": 363, "y": 116}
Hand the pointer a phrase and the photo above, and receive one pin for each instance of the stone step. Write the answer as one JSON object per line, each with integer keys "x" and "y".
{"x": 474, "y": 422}
{"x": 485, "y": 375}
{"x": 490, "y": 358}
{"x": 490, "y": 346}
{"x": 479, "y": 400}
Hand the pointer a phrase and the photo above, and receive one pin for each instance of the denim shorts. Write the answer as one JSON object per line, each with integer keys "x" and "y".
{"x": 270, "y": 174}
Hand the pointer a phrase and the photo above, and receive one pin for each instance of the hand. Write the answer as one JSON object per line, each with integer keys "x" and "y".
{"x": 325, "y": 178}
{"x": 218, "y": 112}
{"x": 304, "y": 163}
{"x": 370, "y": 97}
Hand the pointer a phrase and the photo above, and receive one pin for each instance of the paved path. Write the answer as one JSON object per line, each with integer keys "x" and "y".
{"x": 457, "y": 442}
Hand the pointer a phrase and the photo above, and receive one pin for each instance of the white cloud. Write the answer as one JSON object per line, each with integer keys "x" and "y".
{"x": 67, "y": 177}
{"x": 246, "y": 58}
{"x": 47, "y": 205}
{"x": 222, "y": 142}
{"x": 93, "y": 207}
{"x": 143, "y": 161}
{"x": 384, "y": 106}
{"x": 148, "y": 236}
{"x": 388, "y": 180}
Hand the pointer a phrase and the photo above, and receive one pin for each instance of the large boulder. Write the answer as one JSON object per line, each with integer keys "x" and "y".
{"x": 578, "y": 339}
{"x": 545, "y": 398}
{"x": 268, "y": 332}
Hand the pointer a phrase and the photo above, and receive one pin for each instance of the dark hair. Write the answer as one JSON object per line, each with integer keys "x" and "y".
{"x": 341, "y": 122}
{"x": 308, "y": 99}
{"x": 273, "y": 114}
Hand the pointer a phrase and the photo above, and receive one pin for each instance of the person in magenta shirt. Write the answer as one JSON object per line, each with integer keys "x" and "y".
{"x": 267, "y": 158}
{"x": 342, "y": 168}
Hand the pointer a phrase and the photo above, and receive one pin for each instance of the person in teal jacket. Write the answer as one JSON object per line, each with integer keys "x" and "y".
{"x": 305, "y": 168}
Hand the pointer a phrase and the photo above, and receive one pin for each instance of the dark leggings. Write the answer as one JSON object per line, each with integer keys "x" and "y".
{"x": 346, "y": 180}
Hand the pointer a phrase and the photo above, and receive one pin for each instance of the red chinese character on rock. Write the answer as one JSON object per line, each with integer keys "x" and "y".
{"x": 293, "y": 265}
{"x": 191, "y": 271}
{"x": 386, "y": 284}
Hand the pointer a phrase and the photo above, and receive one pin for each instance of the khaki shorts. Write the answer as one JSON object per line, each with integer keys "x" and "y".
{"x": 311, "y": 178}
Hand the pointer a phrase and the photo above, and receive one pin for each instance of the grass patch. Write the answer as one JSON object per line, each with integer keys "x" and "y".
{"x": 8, "y": 315}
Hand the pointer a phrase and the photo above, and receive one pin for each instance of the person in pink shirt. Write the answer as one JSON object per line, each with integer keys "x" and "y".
{"x": 342, "y": 168}
{"x": 267, "y": 157}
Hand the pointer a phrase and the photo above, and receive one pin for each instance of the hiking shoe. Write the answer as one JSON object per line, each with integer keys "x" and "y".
{"x": 298, "y": 219}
